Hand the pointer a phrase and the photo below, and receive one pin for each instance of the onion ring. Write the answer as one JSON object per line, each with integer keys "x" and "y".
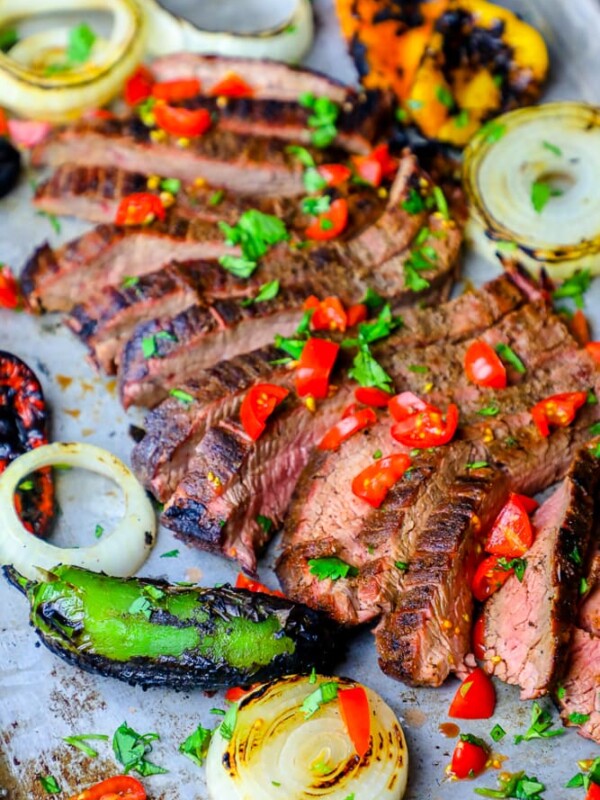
{"x": 121, "y": 552}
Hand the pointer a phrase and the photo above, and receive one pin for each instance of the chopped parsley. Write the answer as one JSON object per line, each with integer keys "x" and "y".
{"x": 98, "y": 531}
{"x": 414, "y": 203}
{"x": 441, "y": 202}
{"x": 80, "y": 740}
{"x": 301, "y": 154}
{"x": 183, "y": 397}
{"x": 492, "y": 131}
{"x": 541, "y": 726}
{"x": 578, "y": 719}
{"x": 131, "y": 749}
{"x": 519, "y": 785}
{"x": 519, "y": 565}
{"x": 141, "y": 605}
{"x": 561, "y": 692}
{"x": 227, "y": 727}
{"x": 238, "y": 265}
{"x": 476, "y": 465}
{"x": 331, "y": 567}
{"x": 49, "y": 784}
{"x": 195, "y": 747}
{"x": 129, "y": 281}
{"x": 508, "y": 354}
{"x": 489, "y": 411}
{"x": 216, "y": 197}
{"x": 8, "y": 38}
{"x": 52, "y": 219}
{"x": 497, "y": 733}
{"x": 293, "y": 347}
{"x": 326, "y": 693}
{"x": 401, "y": 565}
{"x": 322, "y": 120}
{"x": 316, "y": 205}
{"x": 171, "y": 185}
{"x": 377, "y": 454}
{"x": 444, "y": 95}
{"x": 266, "y": 523}
{"x": 366, "y": 370}
{"x": 541, "y": 192}
{"x": 255, "y": 233}
{"x": 81, "y": 41}
{"x": 170, "y": 554}
{"x": 148, "y": 346}
{"x": 268, "y": 291}
{"x": 575, "y": 287}
{"x": 552, "y": 148}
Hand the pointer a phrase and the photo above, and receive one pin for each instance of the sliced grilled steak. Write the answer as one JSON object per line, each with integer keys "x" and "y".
{"x": 581, "y": 686}
{"x": 528, "y": 623}
{"x": 196, "y": 339}
{"x": 232, "y": 479}
{"x": 589, "y": 613}
{"x": 244, "y": 164}
{"x": 166, "y": 443}
{"x": 269, "y": 80}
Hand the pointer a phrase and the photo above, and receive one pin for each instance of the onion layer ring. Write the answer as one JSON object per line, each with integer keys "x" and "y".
{"x": 120, "y": 552}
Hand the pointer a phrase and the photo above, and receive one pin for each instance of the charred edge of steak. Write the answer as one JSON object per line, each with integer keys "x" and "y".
{"x": 581, "y": 686}
{"x": 42, "y": 261}
{"x": 103, "y": 183}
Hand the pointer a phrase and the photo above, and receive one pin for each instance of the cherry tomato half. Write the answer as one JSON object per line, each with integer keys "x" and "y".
{"x": 138, "y": 87}
{"x": 258, "y": 405}
{"x": 329, "y": 224}
{"x": 347, "y": 427}
{"x": 475, "y": 697}
{"x": 558, "y": 410}
{"x": 121, "y": 786}
{"x": 427, "y": 428}
{"x": 314, "y": 368}
{"x": 328, "y": 314}
{"x": 593, "y": 792}
{"x": 334, "y": 174}
{"x": 469, "y": 757}
{"x": 374, "y": 482}
{"x": 511, "y": 534}
{"x": 488, "y": 578}
{"x": 139, "y": 208}
{"x": 182, "y": 122}
{"x": 176, "y": 91}
{"x": 484, "y": 367}
{"x": 232, "y": 86}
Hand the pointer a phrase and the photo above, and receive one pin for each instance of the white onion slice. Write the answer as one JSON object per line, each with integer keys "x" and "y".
{"x": 557, "y": 144}
{"x": 120, "y": 552}
{"x": 274, "y": 745}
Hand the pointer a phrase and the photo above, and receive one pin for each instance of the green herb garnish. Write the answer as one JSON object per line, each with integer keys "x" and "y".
{"x": 492, "y": 131}
{"x": 80, "y": 740}
{"x": 131, "y": 749}
{"x": 497, "y": 733}
{"x": 578, "y": 719}
{"x": 322, "y": 120}
{"x": 170, "y": 554}
{"x": 489, "y": 411}
{"x": 331, "y": 567}
{"x": 552, "y": 148}
{"x": 508, "y": 354}
{"x": 326, "y": 693}
{"x": 541, "y": 192}
{"x": 414, "y": 203}
{"x": 444, "y": 95}
{"x": 8, "y": 38}
{"x": 227, "y": 727}
{"x": 401, "y": 565}
{"x": 519, "y": 565}
{"x": 195, "y": 747}
{"x": 183, "y": 397}
{"x": 575, "y": 287}
{"x": 98, "y": 531}
{"x": 268, "y": 291}
{"x": 541, "y": 726}
{"x": 519, "y": 786}
{"x": 49, "y": 784}
{"x": 266, "y": 523}
{"x": 149, "y": 346}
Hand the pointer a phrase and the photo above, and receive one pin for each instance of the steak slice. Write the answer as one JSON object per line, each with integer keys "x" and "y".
{"x": 197, "y": 338}
{"x": 589, "y": 613}
{"x": 233, "y": 479}
{"x": 269, "y": 80}
{"x": 528, "y": 623}
{"x": 172, "y": 437}
{"x": 245, "y": 164}
{"x": 581, "y": 686}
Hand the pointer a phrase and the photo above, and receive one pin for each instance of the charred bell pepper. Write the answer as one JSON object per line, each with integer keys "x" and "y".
{"x": 176, "y": 636}
{"x": 24, "y": 426}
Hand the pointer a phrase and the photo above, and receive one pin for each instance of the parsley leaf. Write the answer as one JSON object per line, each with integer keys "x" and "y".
{"x": 313, "y": 180}
{"x": 541, "y": 726}
{"x": 508, "y": 354}
{"x": 322, "y": 119}
{"x": 367, "y": 371}
{"x": 293, "y": 347}
{"x": 49, "y": 784}
{"x": 131, "y": 749}
{"x": 238, "y": 266}
{"x": 301, "y": 154}
{"x": 316, "y": 205}
{"x": 326, "y": 693}
{"x": 148, "y": 346}
{"x": 518, "y": 564}
{"x": 268, "y": 291}
{"x": 227, "y": 727}
{"x": 372, "y": 299}
{"x": 195, "y": 747}
{"x": 170, "y": 554}
{"x": 518, "y": 785}
{"x": 578, "y": 719}
{"x": 541, "y": 192}
{"x": 331, "y": 567}
{"x": 255, "y": 232}
{"x": 414, "y": 203}
{"x": 401, "y": 565}
{"x": 497, "y": 733}
{"x": 575, "y": 287}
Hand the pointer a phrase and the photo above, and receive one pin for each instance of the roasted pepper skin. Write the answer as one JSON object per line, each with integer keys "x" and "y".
{"x": 151, "y": 633}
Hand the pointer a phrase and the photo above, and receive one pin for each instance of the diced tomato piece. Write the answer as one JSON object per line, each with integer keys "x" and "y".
{"x": 329, "y": 314}
{"x": 138, "y": 87}
{"x": 405, "y": 405}
{"x": 176, "y": 91}
{"x": 511, "y": 534}
{"x": 593, "y": 792}
{"x": 244, "y": 582}
{"x": 139, "y": 208}
{"x": 235, "y": 693}
{"x": 350, "y": 410}
{"x": 528, "y": 503}
{"x": 28, "y": 132}
{"x": 182, "y": 122}
{"x": 478, "y": 638}
{"x": 427, "y": 428}
{"x": 10, "y": 294}
{"x": 372, "y": 396}
{"x": 368, "y": 169}
{"x": 475, "y": 697}
{"x": 558, "y": 410}
{"x": 484, "y": 367}
{"x": 314, "y": 368}
{"x": 356, "y": 713}
{"x": 121, "y": 787}
{"x": 593, "y": 349}
{"x": 488, "y": 578}
{"x": 258, "y": 405}
{"x": 374, "y": 482}
{"x": 469, "y": 757}
{"x": 3, "y": 123}
{"x": 347, "y": 427}
{"x": 357, "y": 314}
{"x": 232, "y": 86}
{"x": 331, "y": 223}
{"x": 334, "y": 174}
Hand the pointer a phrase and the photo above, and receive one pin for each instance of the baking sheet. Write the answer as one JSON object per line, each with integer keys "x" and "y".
{"x": 42, "y": 699}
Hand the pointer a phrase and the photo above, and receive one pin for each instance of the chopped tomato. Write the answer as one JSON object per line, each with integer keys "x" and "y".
{"x": 235, "y": 693}
{"x": 347, "y": 427}
{"x": 334, "y": 174}
{"x": 405, "y": 405}
{"x": 258, "y": 405}
{"x": 558, "y": 410}
{"x": 350, "y": 410}
{"x": 427, "y": 428}
{"x": 183, "y": 122}
{"x": 593, "y": 792}
{"x": 139, "y": 208}
{"x": 579, "y": 327}
{"x": 368, "y": 169}
{"x": 374, "y": 482}
{"x": 511, "y": 534}
{"x": 244, "y": 582}
{"x": 356, "y": 314}
{"x": 484, "y": 367}
{"x": 372, "y": 396}
{"x": 176, "y": 91}
{"x": 138, "y": 87}
{"x": 10, "y": 296}
{"x": 331, "y": 223}
{"x": 314, "y": 367}
{"x": 528, "y": 503}
{"x": 232, "y": 86}
{"x": 469, "y": 757}
{"x": 121, "y": 786}
{"x": 593, "y": 349}
{"x": 328, "y": 314}
{"x": 475, "y": 697}
{"x": 389, "y": 164}
{"x": 488, "y": 578}
{"x": 356, "y": 713}
{"x": 3, "y": 123}
{"x": 28, "y": 132}
{"x": 478, "y": 638}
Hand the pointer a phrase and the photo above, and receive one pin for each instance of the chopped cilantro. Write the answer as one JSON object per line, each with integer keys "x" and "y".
{"x": 444, "y": 95}
{"x": 49, "y": 784}
{"x": 518, "y": 785}
{"x": 492, "y": 131}
{"x": 183, "y": 397}
{"x": 129, "y": 281}
{"x": 227, "y": 727}
{"x": 575, "y": 555}
{"x": 171, "y": 185}
{"x": 216, "y": 197}
{"x": 266, "y": 523}
{"x": 540, "y": 727}
{"x": 325, "y": 224}
{"x": 489, "y": 411}
{"x": 476, "y": 465}
{"x": 441, "y": 202}
{"x": 367, "y": 371}
{"x": 98, "y": 531}
{"x": 131, "y": 749}
{"x": 595, "y": 429}
{"x": 497, "y": 733}
{"x": 313, "y": 180}
{"x": 149, "y": 346}
{"x": 414, "y": 203}
{"x": 578, "y": 719}
{"x": 541, "y": 192}
{"x": 268, "y": 291}
{"x": 552, "y": 148}
{"x": 508, "y": 354}
{"x": 255, "y": 232}
{"x": 331, "y": 567}
{"x": 238, "y": 265}
{"x": 80, "y": 740}
{"x": 401, "y": 565}
{"x": 592, "y": 775}
{"x": 561, "y": 692}
{"x": 141, "y": 605}
{"x": 462, "y": 119}
{"x": 170, "y": 554}
{"x": 301, "y": 154}
{"x": 195, "y": 747}
{"x": 326, "y": 693}
{"x": 316, "y": 205}
{"x": 293, "y": 347}
{"x": 377, "y": 454}
{"x": 420, "y": 368}
{"x": 575, "y": 287}
{"x": 372, "y": 299}
{"x": 52, "y": 219}
{"x": 518, "y": 564}
{"x": 323, "y": 118}
{"x": 81, "y": 41}
{"x": 583, "y": 586}
{"x": 8, "y": 38}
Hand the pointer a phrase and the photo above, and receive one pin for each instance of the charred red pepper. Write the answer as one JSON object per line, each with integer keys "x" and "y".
{"x": 347, "y": 427}
{"x": 558, "y": 410}
{"x": 23, "y": 427}
{"x": 374, "y": 482}
{"x": 356, "y": 713}
{"x": 484, "y": 367}
{"x": 232, "y": 86}
{"x": 334, "y": 174}
{"x": 138, "y": 86}
{"x": 475, "y": 697}
{"x": 120, "y": 787}
{"x": 176, "y": 91}
{"x": 511, "y": 534}
{"x": 314, "y": 368}
{"x": 258, "y": 405}
{"x": 140, "y": 208}
{"x": 427, "y": 428}
{"x": 10, "y": 295}
{"x": 469, "y": 757}
{"x": 244, "y": 582}
{"x": 184, "y": 122}
{"x": 331, "y": 223}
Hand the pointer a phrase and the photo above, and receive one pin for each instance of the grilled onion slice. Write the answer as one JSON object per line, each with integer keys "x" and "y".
{"x": 120, "y": 552}
{"x": 273, "y": 744}
{"x": 533, "y": 181}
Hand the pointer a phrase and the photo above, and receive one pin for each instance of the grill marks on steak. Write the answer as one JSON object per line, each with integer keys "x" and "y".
{"x": 528, "y": 624}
